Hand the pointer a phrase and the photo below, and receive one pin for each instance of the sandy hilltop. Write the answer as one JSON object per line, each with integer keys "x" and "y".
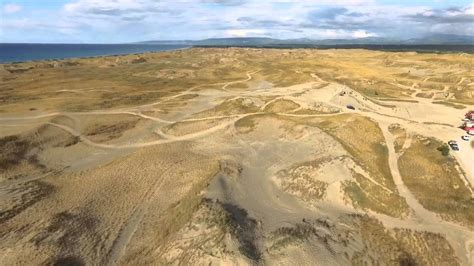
{"x": 237, "y": 156}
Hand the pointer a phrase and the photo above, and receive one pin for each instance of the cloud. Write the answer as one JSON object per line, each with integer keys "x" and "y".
{"x": 452, "y": 20}
{"x": 245, "y": 32}
{"x": 328, "y": 13}
{"x": 216, "y": 18}
{"x": 226, "y": 2}
{"x": 136, "y": 20}
{"x": 443, "y": 16}
{"x": 363, "y": 34}
{"x": 12, "y": 8}
{"x": 111, "y": 8}
{"x": 266, "y": 23}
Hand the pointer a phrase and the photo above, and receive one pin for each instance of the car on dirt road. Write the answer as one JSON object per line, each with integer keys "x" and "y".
{"x": 466, "y": 137}
{"x": 454, "y": 145}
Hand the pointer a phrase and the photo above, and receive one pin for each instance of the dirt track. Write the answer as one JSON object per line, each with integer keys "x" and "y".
{"x": 261, "y": 152}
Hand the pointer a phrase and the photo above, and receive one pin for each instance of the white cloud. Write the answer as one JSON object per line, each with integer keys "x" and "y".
{"x": 362, "y": 34}
{"x": 197, "y": 19}
{"x": 245, "y": 32}
{"x": 340, "y": 34}
{"x": 135, "y": 20}
{"x": 104, "y": 5}
{"x": 469, "y": 10}
{"x": 12, "y": 8}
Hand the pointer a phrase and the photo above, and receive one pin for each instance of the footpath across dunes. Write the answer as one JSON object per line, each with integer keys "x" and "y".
{"x": 237, "y": 156}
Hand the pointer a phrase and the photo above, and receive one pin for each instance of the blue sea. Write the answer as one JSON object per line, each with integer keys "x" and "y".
{"x": 21, "y": 52}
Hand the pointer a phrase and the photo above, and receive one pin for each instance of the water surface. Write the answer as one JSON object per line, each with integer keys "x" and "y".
{"x": 21, "y": 52}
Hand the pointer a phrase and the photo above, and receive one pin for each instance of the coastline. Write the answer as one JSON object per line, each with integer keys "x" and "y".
{"x": 74, "y": 54}
{"x": 438, "y": 49}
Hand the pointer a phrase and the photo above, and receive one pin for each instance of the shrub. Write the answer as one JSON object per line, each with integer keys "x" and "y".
{"x": 444, "y": 149}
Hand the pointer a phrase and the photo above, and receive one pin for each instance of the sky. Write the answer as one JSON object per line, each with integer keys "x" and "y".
{"x": 123, "y": 21}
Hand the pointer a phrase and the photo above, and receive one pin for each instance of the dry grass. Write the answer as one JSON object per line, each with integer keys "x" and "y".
{"x": 110, "y": 82}
{"x": 281, "y": 106}
{"x": 231, "y": 107}
{"x": 401, "y": 246}
{"x": 318, "y": 108}
{"x": 302, "y": 180}
{"x": 247, "y": 124}
{"x": 400, "y": 135}
{"x": 430, "y": 85}
{"x": 450, "y": 104}
{"x": 364, "y": 194}
{"x": 189, "y": 127}
{"x": 18, "y": 198}
{"x": 427, "y": 95}
{"x": 364, "y": 141}
{"x": 92, "y": 205}
{"x": 208, "y": 222}
{"x": 14, "y": 150}
{"x": 240, "y": 85}
{"x": 19, "y": 156}
{"x": 101, "y": 132}
{"x": 436, "y": 182}
{"x": 208, "y": 217}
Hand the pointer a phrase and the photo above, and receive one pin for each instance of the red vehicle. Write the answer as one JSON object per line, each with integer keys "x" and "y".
{"x": 470, "y": 130}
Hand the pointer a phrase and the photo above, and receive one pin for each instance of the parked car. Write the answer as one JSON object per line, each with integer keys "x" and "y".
{"x": 466, "y": 137}
{"x": 350, "y": 107}
{"x": 454, "y": 145}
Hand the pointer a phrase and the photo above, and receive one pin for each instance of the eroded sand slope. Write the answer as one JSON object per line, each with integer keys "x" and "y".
{"x": 237, "y": 156}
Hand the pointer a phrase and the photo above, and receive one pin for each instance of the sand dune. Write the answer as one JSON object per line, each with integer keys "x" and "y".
{"x": 240, "y": 164}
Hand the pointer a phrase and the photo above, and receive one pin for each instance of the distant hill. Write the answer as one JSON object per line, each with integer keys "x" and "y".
{"x": 435, "y": 39}
{"x": 443, "y": 39}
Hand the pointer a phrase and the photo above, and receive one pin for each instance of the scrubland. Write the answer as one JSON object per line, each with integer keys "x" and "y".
{"x": 237, "y": 156}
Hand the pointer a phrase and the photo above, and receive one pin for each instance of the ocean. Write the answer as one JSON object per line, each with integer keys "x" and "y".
{"x": 21, "y": 52}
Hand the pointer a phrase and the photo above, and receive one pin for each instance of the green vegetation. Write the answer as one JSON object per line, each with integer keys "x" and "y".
{"x": 444, "y": 149}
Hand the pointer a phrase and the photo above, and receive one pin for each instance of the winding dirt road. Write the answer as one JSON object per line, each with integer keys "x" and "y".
{"x": 461, "y": 238}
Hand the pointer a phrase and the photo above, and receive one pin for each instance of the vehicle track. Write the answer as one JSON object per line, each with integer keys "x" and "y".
{"x": 131, "y": 225}
{"x": 422, "y": 218}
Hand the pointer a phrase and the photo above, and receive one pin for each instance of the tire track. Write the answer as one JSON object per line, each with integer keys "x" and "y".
{"x": 129, "y": 228}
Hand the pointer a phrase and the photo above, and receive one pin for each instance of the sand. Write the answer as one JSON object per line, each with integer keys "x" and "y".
{"x": 225, "y": 170}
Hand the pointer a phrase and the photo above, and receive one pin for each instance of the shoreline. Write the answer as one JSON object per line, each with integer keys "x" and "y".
{"x": 92, "y": 56}
{"x": 427, "y": 48}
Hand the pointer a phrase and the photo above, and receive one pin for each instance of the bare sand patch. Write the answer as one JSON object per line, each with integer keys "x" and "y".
{"x": 236, "y": 156}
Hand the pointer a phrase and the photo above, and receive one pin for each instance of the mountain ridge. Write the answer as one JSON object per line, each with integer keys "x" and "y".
{"x": 434, "y": 39}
